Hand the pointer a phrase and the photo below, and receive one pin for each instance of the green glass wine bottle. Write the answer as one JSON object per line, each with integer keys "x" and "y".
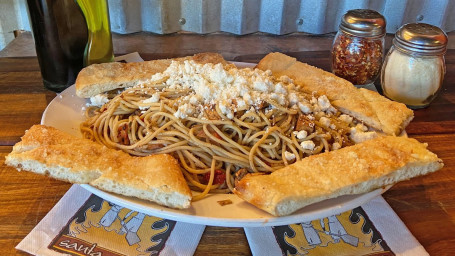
{"x": 99, "y": 47}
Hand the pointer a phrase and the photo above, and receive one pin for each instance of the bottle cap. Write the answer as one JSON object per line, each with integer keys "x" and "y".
{"x": 363, "y": 23}
{"x": 421, "y": 38}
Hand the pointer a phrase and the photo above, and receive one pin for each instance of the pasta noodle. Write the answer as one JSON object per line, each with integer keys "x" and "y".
{"x": 213, "y": 148}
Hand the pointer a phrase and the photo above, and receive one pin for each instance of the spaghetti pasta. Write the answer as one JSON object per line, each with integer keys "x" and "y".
{"x": 214, "y": 140}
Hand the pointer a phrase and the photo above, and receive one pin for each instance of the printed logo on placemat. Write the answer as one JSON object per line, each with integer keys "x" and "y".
{"x": 349, "y": 233}
{"x": 100, "y": 228}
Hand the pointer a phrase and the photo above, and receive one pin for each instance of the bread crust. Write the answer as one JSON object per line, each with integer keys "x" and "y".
{"x": 46, "y": 150}
{"x": 99, "y": 78}
{"x": 370, "y": 107}
{"x": 352, "y": 170}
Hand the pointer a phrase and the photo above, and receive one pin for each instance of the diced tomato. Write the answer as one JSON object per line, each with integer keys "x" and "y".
{"x": 303, "y": 123}
{"x": 216, "y": 135}
{"x": 201, "y": 134}
{"x": 220, "y": 177}
{"x": 123, "y": 135}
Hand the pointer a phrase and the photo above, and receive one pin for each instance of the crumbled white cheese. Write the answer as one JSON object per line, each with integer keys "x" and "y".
{"x": 361, "y": 127}
{"x": 293, "y": 98}
{"x": 194, "y": 100}
{"x": 280, "y": 88}
{"x": 325, "y": 121}
{"x": 358, "y": 135}
{"x": 98, "y": 100}
{"x": 280, "y": 98}
{"x": 247, "y": 98}
{"x": 214, "y": 84}
{"x": 153, "y": 99}
{"x": 184, "y": 110}
{"x": 346, "y": 118}
{"x": 301, "y": 134}
{"x": 324, "y": 103}
{"x": 225, "y": 107}
{"x": 307, "y": 144}
{"x": 289, "y": 156}
{"x": 314, "y": 101}
{"x": 336, "y": 146}
{"x": 232, "y": 89}
{"x": 241, "y": 105}
{"x": 261, "y": 86}
{"x": 286, "y": 79}
{"x": 305, "y": 107}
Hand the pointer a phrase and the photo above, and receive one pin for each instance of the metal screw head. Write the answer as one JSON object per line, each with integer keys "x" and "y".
{"x": 182, "y": 21}
{"x": 299, "y": 21}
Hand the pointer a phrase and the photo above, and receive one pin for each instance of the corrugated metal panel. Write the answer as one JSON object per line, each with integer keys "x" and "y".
{"x": 270, "y": 16}
{"x": 13, "y": 16}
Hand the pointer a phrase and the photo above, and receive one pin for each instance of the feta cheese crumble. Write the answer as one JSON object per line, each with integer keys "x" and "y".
{"x": 359, "y": 134}
{"x": 98, "y": 100}
{"x": 346, "y": 118}
{"x": 307, "y": 144}
{"x": 336, "y": 146}
{"x": 289, "y": 156}
{"x": 213, "y": 84}
{"x": 301, "y": 134}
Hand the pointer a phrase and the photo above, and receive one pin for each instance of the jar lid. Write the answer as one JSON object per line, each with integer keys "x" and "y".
{"x": 363, "y": 22}
{"x": 421, "y": 38}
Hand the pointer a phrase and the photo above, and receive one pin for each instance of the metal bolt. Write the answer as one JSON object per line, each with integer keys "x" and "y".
{"x": 299, "y": 21}
{"x": 182, "y": 21}
{"x": 419, "y": 17}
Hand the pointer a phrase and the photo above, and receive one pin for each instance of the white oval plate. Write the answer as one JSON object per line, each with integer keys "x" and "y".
{"x": 65, "y": 112}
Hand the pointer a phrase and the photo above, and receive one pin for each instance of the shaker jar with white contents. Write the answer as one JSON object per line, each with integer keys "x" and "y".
{"x": 414, "y": 67}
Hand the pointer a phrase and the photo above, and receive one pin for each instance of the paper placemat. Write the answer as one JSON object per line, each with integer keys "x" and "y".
{"x": 82, "y": 223}
{"x": 371, "y": 229}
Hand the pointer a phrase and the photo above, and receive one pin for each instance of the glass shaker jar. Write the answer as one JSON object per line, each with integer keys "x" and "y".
{"x": 358, "y": 47}
{"x": 414, "y": 67}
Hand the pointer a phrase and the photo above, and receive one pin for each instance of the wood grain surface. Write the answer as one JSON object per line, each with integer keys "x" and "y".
{"x": 425, "y": 204}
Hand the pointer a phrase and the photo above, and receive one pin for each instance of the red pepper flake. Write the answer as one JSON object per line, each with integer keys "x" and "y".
{"x": 357, "y": 59}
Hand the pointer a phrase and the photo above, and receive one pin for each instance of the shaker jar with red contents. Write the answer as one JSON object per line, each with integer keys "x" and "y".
{"x": 358, "y": 48}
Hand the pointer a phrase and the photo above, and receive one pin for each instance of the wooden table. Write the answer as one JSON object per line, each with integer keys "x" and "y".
{"x": 425, "y": 204}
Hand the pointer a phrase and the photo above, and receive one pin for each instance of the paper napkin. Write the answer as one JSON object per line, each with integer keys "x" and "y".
{"x": 371, "y": 229}
{"x": 82, "y": 223}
